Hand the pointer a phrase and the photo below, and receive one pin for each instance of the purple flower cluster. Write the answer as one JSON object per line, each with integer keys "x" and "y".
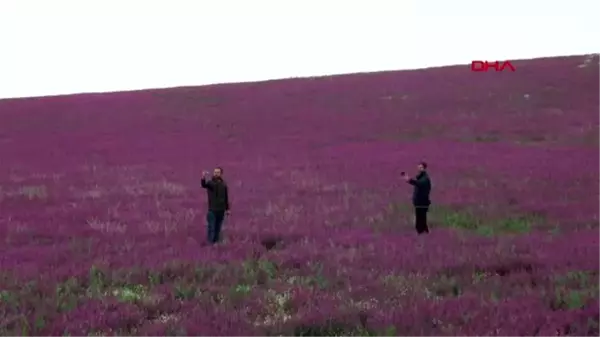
{"x": 103, "y": 218}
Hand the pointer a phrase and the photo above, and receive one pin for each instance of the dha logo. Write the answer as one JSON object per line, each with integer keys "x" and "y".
{"x": 486, "y": 65}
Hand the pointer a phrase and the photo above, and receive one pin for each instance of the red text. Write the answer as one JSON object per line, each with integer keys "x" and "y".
{"x": 486, "y": 65}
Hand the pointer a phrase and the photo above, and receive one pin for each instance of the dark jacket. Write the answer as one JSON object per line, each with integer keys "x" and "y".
{"x": 422, "y": 188}
{"x": 218, "y": 198}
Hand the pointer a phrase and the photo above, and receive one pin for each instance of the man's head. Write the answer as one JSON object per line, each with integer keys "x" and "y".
{"x": 217, "y": 172}
{"x": 422, "y": 167}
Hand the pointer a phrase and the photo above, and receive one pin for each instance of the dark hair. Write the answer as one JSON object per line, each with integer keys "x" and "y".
{"x": 424, "y": 164}
{"x": 220, "y": 169}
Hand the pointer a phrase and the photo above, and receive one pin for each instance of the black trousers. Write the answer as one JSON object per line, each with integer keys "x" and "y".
{"x": 214, "y": 220}
{"x": 421, "y": 219}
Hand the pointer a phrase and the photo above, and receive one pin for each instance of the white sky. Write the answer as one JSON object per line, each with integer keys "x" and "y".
{"x": 52, "y": 47}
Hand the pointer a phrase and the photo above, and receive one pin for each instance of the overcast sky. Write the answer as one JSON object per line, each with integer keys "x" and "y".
{"x": 52, "y": 47}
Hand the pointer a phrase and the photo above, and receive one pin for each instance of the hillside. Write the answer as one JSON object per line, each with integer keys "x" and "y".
{"x": 102, "y": 212}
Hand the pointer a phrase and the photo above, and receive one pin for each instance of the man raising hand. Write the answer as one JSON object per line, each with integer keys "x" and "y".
{"x": 218, "y": 202}
{"x": 420, "y": 198}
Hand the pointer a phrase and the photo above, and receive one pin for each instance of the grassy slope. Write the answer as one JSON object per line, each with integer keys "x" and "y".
{"x": 101, "y": 209}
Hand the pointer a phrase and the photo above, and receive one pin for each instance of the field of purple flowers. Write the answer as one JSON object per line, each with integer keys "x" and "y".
{"x": 102, "y": 214}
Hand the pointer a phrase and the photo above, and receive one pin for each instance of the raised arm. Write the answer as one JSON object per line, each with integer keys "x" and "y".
{"x": 208, "y": 184}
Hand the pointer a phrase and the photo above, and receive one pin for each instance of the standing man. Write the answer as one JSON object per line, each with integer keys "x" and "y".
{"x": 420, "y": 198}
{"x": 218, "y": 202}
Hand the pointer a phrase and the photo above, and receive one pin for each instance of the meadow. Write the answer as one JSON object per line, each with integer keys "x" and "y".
{"x": 102, "y": 217}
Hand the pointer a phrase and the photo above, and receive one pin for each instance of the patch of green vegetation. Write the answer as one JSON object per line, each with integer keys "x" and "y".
{"x": 445, "y": 286}
{"x": 19, "y": 325}
{"x": 8, "y": 297}
{"x": 574, "y": 289}
{"x": 99, "y": 285}
{"x": 555, "y": 231}
{"x": 494, "y": 297}
{"x": 97, "y": 282}
{"x": 240, "y": 291}
{"x": 569, "y": 299}
{"x": 22, "y": 298}
{"x": 258, "y": 271}
{"x": 314, "y": 278}
{"x": 480, "y": 276}
{"x": 319, "y": 280}
{"x": 487, "y": 138}
{"x": 176, "y": 271}
{"x": 516, "y": 225}
{"x": 461, "y": 220}
{"x": 333, "y": 328}
{"x": 578, "y": 278}
{"x": 39, "y": 322}
{"x": 185, "y": 291}
{"x": 403, "y": 284}
{"x": 278, "y": 308}
{"x": 130, "y": 293}
{"x": 67, "y": 294}
{"x": 465, "y": 220}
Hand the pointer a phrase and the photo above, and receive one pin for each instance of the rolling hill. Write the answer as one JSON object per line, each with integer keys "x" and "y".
{"x": 103, "y": 217}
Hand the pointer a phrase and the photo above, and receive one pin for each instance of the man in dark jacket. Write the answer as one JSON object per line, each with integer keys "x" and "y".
{"x": 420, "y": 198}
{"x": 218, "y": 203}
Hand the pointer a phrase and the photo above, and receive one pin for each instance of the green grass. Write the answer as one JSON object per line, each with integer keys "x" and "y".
{"x": 465, "y": 220}
{"x": 460, "y": 219}
{"x": 574, "y": 289}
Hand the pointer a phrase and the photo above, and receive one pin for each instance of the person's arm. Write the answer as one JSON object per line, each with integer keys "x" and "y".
{"x": 416, "y": 182}
{"x": 208, "y": 184}
{"x": 226, "y": 198}
{"x": 408, "y": 179}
